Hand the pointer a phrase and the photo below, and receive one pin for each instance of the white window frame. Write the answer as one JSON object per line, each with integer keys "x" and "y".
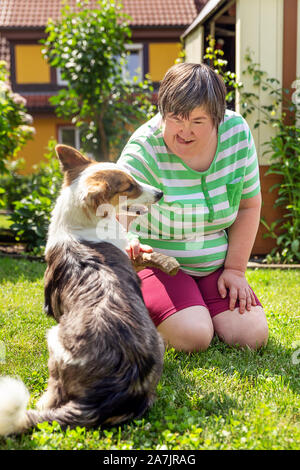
{"x": 140, "y": 48}
{"x": 77, "y": 138}
{"x": 59, "y": 80}
{"x": 77, "y": 135}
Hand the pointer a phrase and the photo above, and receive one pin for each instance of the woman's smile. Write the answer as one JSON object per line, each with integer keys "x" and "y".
{"x": 190, "y": 137}
{"x": 183, "y": 141}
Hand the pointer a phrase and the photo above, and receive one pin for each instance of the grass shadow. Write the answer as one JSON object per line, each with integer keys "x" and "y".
{"x": 273, "y": 360}
{"x": 15, "y": 270}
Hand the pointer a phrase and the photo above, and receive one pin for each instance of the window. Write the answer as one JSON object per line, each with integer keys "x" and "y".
{"x": 134, "y": 65}
{"x": 60, "y": 81}
{"x": 30, "y": 65}
{"x": 69, "y": 135}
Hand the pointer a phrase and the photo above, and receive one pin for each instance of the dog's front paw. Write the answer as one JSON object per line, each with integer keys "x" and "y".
{"x": 45, "y": 402}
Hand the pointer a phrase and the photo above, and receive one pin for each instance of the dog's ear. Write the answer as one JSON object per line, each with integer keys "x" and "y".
{"x": 98, "y": 193}
{"x": 70, "y": 157}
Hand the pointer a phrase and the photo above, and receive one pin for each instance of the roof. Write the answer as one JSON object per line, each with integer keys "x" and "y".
{"x": 208, "y": 9}
{"x": 35, "y": 13}
{"x": 37, "y": 101}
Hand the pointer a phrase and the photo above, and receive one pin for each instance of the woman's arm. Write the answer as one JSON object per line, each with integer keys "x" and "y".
{"x": 242, "y": 233}
{"x": 241, "y": 237}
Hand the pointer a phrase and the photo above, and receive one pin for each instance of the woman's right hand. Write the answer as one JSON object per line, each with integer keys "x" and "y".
{"x": 134, "y": 248}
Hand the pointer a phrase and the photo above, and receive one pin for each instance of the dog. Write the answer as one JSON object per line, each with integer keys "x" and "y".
{"x": 105, "y": 354}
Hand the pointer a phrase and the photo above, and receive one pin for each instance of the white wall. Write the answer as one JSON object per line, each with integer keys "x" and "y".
{"x": 259, "y": 27}
{"x": 194, "y": 45}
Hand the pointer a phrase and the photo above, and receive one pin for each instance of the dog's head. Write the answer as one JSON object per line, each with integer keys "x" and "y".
{"x": 96, "y": 184}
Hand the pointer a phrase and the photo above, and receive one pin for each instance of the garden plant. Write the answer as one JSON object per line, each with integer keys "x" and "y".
{"x": 282, "y": 114}
{"x": 89, "y": 47}
{"x": 223, "y": 398}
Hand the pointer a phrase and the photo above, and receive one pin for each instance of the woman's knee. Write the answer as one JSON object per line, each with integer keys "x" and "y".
{"x": 188, "y": 330}
{"x": 196, "y": 338}
{"x": 249, "y": 329}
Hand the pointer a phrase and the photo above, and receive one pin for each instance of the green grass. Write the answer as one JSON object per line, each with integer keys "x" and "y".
{"x": 224, "y": 398}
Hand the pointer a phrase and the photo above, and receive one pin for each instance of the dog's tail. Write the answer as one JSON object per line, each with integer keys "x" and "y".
{"x": 15, "y": 418}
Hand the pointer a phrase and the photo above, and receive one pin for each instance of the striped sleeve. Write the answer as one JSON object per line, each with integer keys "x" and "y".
{"x": 251, "y": 185}
{"x": 140, "y": 163}
{"x": 142, "y": 166}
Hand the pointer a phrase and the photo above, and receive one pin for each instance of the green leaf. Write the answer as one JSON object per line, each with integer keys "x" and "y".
{"x": 295, "y": 246}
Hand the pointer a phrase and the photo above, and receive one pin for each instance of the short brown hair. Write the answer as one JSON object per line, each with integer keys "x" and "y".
{"x": 187, "y": 86}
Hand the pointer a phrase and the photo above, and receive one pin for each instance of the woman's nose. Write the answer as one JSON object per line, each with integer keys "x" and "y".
{"x": 185, "y": 128}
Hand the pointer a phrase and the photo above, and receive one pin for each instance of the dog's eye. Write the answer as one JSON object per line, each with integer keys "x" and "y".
{"x": 130, "y": 187}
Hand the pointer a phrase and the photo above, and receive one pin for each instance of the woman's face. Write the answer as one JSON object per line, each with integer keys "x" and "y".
{"x": 190, "y": 137}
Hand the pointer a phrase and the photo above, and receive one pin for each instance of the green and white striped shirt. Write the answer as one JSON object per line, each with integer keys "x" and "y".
{"x": 191, "y": 219}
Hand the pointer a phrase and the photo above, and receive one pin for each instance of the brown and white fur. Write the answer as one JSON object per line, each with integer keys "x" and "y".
{"x": 105, "y": 355}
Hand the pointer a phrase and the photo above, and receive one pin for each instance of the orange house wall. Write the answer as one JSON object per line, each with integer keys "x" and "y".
{"x": 161, "y": 57}
{"x": 34, "y": 150}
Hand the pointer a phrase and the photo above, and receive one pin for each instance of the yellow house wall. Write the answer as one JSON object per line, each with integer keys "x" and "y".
{"x": 34, "y": 150}
{"x": 161, "y": 57}
{"x": 31, "y": 67}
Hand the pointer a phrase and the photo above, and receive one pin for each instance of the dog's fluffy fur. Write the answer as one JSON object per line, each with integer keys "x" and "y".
{"x": 105, "y": 355}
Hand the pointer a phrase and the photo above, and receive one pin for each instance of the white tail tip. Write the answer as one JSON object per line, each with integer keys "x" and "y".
{"x": 14, "y": 398}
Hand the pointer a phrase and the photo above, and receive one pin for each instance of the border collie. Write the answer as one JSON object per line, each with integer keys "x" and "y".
{"x": 105, "y": 355}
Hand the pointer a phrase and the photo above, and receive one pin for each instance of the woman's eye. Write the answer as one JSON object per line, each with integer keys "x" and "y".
{"x": 130, "y": 187}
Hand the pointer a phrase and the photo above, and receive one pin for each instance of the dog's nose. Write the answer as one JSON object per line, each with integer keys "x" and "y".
{"x": 159, "y": 195}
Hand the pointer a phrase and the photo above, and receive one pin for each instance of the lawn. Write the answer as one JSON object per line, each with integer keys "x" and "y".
{"x": 224, "y": 398}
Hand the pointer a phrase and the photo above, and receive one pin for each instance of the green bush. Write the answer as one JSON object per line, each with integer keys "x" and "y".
{"x": 284, "y": 150}
{"x": 14, "y": 185}
{"x": 31, "y": 214}
{"x": 15, "y": 123}
{"x": 283, "y": 147}
{"x": 89, "y": 47}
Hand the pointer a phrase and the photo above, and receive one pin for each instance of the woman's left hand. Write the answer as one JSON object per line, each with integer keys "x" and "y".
{"x": 239, "y": 289}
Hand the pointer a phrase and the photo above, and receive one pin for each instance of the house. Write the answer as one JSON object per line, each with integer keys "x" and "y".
{"x": 156, "y": 29}
{"x": 270, "y": 29}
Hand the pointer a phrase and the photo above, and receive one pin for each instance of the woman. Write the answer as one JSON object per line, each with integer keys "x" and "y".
{"x": 203, "y": 158}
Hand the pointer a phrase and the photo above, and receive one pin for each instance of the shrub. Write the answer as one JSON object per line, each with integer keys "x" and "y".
{"x": 89, "y": 47}
{"x": 15, "y": 185}
{"x": 284, "y": 146}
{"x": 15, "y": 123}
{"x": 31, "y": 215}
{"x": 284, "y": 150}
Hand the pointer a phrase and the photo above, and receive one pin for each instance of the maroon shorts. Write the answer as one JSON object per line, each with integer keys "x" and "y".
{"x": 165, "y": 295}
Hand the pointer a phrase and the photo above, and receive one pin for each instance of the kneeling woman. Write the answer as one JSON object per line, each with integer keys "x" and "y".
{"x": 203, "y": 158}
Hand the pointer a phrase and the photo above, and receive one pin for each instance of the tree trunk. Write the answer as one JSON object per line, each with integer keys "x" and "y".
{"x": 103, "y": 140}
